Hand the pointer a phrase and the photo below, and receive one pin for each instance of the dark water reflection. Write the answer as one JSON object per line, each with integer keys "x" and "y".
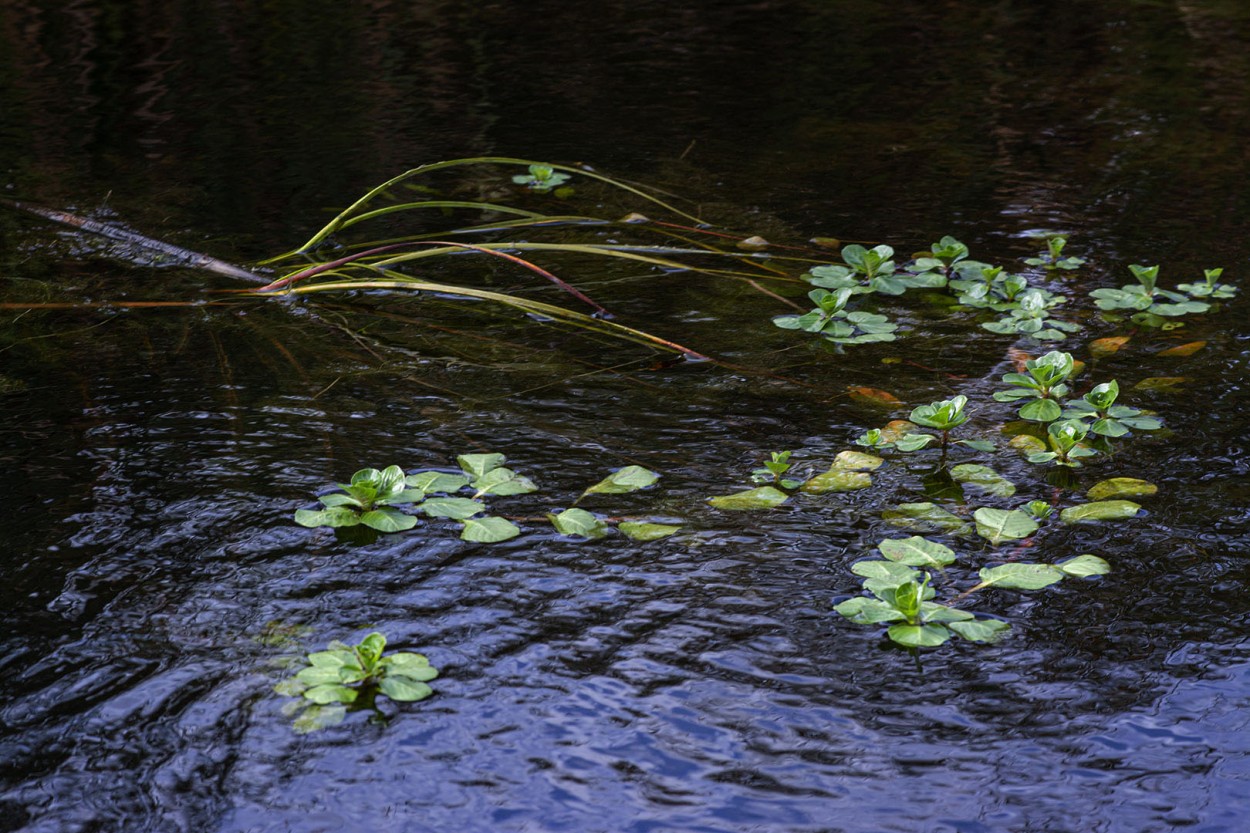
{"x": 152, "y": 459}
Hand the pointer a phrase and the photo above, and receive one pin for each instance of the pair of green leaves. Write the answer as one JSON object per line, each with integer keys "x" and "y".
{"x": 542, "y": 178}
{"x": 1042, "y": 384}
{"x": 1107, "y": 419}
{"x": 1053, "y": 257}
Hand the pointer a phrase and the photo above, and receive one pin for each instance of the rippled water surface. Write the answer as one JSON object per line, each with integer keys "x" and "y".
{"x": 156, "y": 588}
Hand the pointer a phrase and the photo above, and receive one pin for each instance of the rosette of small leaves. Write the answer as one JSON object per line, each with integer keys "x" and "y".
{"x": 902, "y": 598}
{"x": 338, "y": 676}
{"x": 1030, "y": 316}
{"x": 1066, "y": 442}
{"x": 943, "y": 256}
{"x": 370, "y": 498}
{"x": 1042, "y": 384}
{"x": 870, "y": 270}
{"x": 1106, "y": 418}
{"x": 943, "y": 416}
{"x": 1053, "y": 258}
{"x": 1209, "y": 288}
{"x": 1151, "y": 304}
{"x": 774, "y": 469}
{"x": 832, "y": 321}
{"x": 541, "y": 178}
{"x": 988, "y": 287}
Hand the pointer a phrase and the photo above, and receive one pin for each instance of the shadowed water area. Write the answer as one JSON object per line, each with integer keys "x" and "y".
{"x": 155, "y": 582}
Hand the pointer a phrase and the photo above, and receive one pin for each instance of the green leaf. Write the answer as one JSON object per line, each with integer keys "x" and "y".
{"x": 856, "y": 461}
{"x": 319, "y": 675}
{"x": 478, "y": 464}
{"x": 489, "y": 530}
{"x": 1085, "y": 565}
{"x": 412, "y": 666}
{"x": 457, "y": 508}
{"x": 765, "y": 497}
{"x": 403, "y": 689}
{"x": 917, "y": 552}
{"x": 837, "y": 480}
{"x": 1041, "y": 410}
{"x": 431, "y": 482}
{"x": 402, "y": 497}
{"x": 331, "y": 693}
{"x": 1021, "y": 576}
{"x": 291, "y": 687}
{"x": 386, "y": 519}
{"x": 865, "y": 611}
{"x": 918, "y": 636}
{"x": 977, "y": 445}
{"x": 887, "y": 570}
{"x": 338, "y": 499}
{"x": 504, "y": 482}
{"x": 998, "y": 525}
{"x": 1102, "y": 510}
{"x": 1121, "y": 487}
{"x": 646, "y": 531}
{"x": 628, "y": 479}
{"x": 335, "y": 516}
{"x": 984, "y": 478}
{"x": 926, "y": 517}
{"x": 578, "y": 522}
{"x": 980, "y": 630}
{"x": 371, "y": 648}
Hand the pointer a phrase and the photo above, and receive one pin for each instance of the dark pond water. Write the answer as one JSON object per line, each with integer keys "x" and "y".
{"x": 153, "y": 457}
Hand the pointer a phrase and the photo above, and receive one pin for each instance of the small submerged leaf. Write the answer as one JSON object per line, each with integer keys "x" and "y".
{"x": 1121, "y": 487}
{"x": 1160, "y": 384}
{"x": 926, "y": 517}
{"x": 984, "y": 478}
{"x": 856, "y": 461}
{"x": 765, "y": 497}
{"x": 1184, "y": 349}
{"x": 1103, "y": 347}
{"x": 639, "y": 531}
{"x": 315, "y": 718}
{"x": 1102, "y": 510}
{"x": 874, "y": 397}
{"x": 335, "y": 516}
{"x": 837, "y": 480}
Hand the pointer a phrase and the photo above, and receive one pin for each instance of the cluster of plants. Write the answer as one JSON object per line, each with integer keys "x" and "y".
{"x": 389, "y": 500}
{"x": 1024, "y": 310}
{"x": 352, "y": 676}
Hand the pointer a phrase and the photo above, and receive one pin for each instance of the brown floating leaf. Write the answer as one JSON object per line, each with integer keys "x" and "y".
{"x": 753, "y": 244}
{"x": 1102, "y": 347}
{"x": 874, "y": 397}
{"x": 826, "y": 242}
{"x": 1018, "y": 358}
{"x": 1184, "y": 349}
{"x": 634, "y": 217}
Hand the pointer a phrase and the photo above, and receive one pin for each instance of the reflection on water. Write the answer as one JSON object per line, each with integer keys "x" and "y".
{"x": 152, "y": 459}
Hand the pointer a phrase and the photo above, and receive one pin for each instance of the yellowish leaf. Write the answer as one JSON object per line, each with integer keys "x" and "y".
{"x": 874, "y": 397}
{"x": 1184, "y": 349}
{"x": 1103, "y": 347}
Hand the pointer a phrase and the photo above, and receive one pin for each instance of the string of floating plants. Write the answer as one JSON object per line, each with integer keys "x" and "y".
{"x": 1000, "y": 474}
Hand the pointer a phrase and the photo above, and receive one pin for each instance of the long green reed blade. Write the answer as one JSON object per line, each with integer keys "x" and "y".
{"x": 440, "y": 204}
{"x": 355, "y": 207}
{"x": 534, "y": 307}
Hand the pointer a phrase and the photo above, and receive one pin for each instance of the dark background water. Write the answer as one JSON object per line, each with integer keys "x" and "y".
{"x": 152, "y": 458}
